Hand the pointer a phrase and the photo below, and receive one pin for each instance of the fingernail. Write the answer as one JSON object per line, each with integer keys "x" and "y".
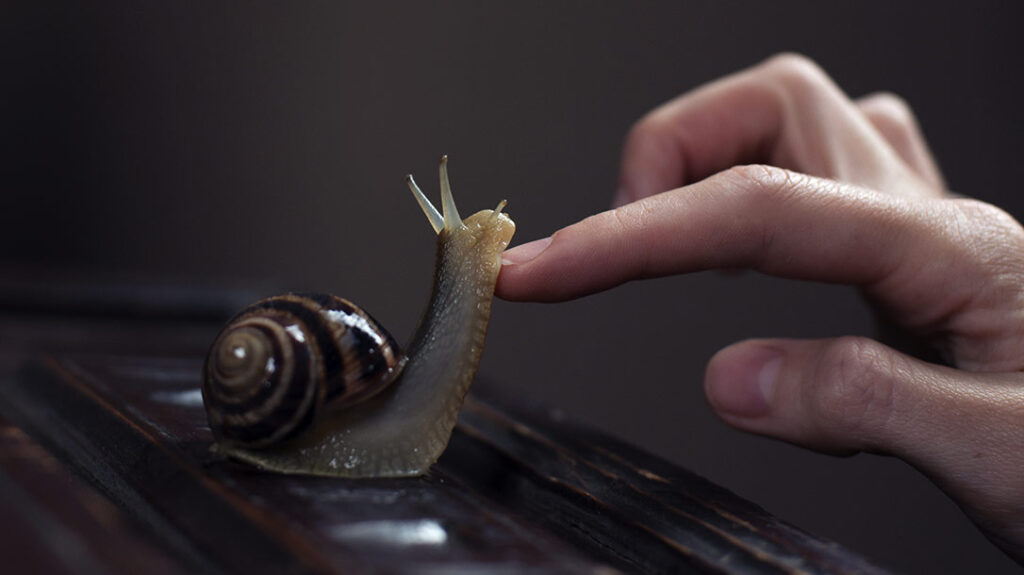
{"x": 741, "y": 379}
{"x": 525, "y": 252}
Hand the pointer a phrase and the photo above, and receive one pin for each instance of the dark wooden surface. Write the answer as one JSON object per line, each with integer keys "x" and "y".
{"x": 105, "y": 467}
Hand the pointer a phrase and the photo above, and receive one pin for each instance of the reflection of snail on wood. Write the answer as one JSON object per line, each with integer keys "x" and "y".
{"x": 312, "y": 384}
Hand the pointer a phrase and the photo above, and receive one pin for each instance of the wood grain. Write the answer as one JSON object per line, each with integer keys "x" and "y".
{"x": 519, "y": 490}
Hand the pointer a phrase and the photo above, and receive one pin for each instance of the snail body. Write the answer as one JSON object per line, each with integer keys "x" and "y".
{"x": 311, "y": 384}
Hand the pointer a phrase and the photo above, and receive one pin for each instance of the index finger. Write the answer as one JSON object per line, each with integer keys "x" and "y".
{"x": 759, "y": 217}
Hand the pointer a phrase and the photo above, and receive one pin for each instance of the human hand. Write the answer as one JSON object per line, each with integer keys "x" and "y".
{"x": 839, "y": 191}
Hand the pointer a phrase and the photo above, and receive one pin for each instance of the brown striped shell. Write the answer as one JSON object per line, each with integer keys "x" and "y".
{"x": 284, "y": 359}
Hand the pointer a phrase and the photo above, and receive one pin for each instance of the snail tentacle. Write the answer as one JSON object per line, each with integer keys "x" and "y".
{"x": 451, "y": 214}
{"x": 497, "y": 210}
{"x": 435, "y": 217}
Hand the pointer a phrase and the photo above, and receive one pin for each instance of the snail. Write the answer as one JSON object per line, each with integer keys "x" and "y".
{"x": 311, "y": 384}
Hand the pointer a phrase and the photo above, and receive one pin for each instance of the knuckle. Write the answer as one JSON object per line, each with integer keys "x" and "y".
{"x": 796, "y": 72}
{"x": 756, "y": 176}
{"x": 856, "y": 389}
{"x": 990, "y": 234}
{"x": 761, "y": 189}
{"x": 892, "y": 115}
{"x": 627, "y": 219}
{"x": 985, "y": 216}
{"x": 631, "y": 221}
{"x": 761, "y": 182}
{"x": 892, "y": 108}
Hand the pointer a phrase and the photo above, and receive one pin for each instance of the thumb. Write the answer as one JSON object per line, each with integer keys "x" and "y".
{"x": 964, "y": 430}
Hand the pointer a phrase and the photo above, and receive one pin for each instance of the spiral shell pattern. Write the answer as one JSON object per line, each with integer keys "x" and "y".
{"x": 283, "y": 359}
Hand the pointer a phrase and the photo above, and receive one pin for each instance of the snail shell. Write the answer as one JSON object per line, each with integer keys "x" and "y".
{"x": 284, "y": 359}
{"x": 309, "y": 384}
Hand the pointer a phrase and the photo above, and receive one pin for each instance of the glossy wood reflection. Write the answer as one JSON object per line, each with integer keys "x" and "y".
{"x": 519, "y": 490}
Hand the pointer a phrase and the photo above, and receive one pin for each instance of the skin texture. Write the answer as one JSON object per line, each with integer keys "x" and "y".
{"x": 775, "y": 169}
{"x": 402, "y": 430}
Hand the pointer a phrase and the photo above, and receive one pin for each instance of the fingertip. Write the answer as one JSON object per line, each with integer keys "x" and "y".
{"x": 521, "y": 280}
{"x": 524, "y": 253}
{"x": 757, "y": 386}
{"x": 506, "y": 287}
{"x": 740, "y": 379}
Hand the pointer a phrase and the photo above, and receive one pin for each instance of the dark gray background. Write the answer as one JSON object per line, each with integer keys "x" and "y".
{"x": 244, "y": 144}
